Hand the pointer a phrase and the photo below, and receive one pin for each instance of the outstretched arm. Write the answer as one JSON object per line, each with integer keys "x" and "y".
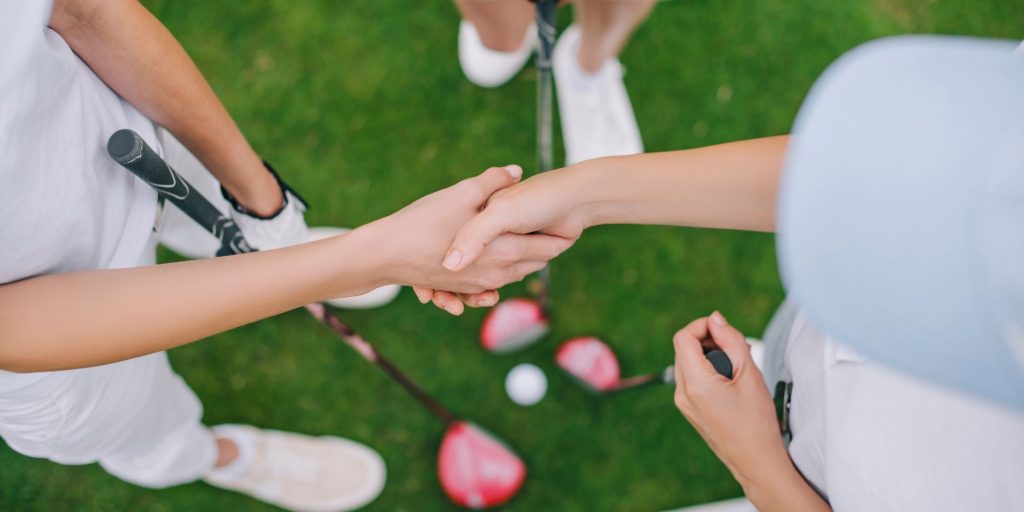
{"x": 134, "y": 54}
{"x": 730, "y": 186}
{"x": 95, "y": 317}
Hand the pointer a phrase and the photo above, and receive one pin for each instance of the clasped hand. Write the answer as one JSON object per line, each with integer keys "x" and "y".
{"x": 416, "y": 240}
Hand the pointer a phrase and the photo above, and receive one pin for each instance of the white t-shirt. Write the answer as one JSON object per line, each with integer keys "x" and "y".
{"x": 64, "y": 204}
{"x": 871, "y": 439}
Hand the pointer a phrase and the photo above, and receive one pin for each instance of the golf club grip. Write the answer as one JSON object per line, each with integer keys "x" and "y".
{"x": 128, "y": 149}
{"x": 718, "y": 359}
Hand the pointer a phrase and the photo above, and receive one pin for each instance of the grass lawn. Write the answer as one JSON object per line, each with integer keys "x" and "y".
{"x": 362, "y": 107}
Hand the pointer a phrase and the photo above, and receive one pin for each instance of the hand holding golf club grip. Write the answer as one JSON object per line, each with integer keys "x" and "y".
{"x": 717, "y": 358}
{"x": 128, "y": 149}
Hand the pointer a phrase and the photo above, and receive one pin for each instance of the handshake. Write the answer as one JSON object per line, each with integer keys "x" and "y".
{"x": 457, "y": 246}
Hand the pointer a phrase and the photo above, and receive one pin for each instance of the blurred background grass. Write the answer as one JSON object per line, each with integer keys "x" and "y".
{"x": 363, "y": 108}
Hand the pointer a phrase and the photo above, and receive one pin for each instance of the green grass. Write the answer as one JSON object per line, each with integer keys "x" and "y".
{"x": 362, "y": 106}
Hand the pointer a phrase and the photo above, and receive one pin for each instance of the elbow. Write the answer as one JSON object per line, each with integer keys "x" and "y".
{"x": 70, "y": 16}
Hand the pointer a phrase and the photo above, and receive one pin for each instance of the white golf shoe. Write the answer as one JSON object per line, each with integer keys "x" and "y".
{"x": 298, "y": 472}
{"x": 597, "y": 117}
{"x": 490, "y": 68}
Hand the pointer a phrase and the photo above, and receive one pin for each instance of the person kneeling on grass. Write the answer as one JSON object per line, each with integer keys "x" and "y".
{"x": 900, "y": 353}
{"x": 85, "y": 315}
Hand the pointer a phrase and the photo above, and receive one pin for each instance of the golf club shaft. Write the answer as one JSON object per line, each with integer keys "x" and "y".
{"x": 128, "y": 149}
{"x": 546, "y": 34}
{"x": 637, "y": 381}
{"x": 369, "y": 353}
{"x": 716, "y": 357}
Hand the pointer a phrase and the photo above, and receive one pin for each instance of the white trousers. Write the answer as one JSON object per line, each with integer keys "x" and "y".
{"x": 137, "y": 418}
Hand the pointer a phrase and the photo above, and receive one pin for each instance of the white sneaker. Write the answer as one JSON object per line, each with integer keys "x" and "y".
{"x": 371, "y": 299}
{"x": 597, "y": 118}
{"x": 301, "y": 473}
{"x": 489, "y": 68}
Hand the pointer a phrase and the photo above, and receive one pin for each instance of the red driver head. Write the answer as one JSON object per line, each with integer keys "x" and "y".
{"x": 513, "y": 324}
{"x": 591, "y": 361}
{"x": 476, "y": 470}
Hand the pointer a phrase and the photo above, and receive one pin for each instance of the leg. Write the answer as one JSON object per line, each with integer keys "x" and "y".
{"x": 597, "y": 115}
{"x": 500, "y": 23}
{"x": 141, "y": 423}
{"x": 495, "y": 39}
{"x": 605, "y": 27}
{"x": 136, "y": 418}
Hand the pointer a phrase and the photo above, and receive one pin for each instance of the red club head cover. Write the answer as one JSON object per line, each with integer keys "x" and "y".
{"x": 513, "y": 324}
{"x": 476, "y": 469}
{"x": 591, "y": 361}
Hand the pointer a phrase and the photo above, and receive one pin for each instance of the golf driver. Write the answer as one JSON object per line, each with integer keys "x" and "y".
{"x": 517, "y": 323}
{"x": 476, "y": 470}
{"x": 593, "y": 363}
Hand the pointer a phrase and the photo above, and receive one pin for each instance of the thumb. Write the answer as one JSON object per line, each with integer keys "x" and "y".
{"x": 473, "y": 236}
{"x": 729, "y": 339}
{"x": 495, "y": 179}
{"x": 471, "y": 239}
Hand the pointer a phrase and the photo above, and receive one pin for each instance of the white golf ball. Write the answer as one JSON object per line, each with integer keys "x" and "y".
{"x": 526, "y": 384}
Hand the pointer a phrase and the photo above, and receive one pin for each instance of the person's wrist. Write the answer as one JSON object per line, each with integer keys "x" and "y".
{"x": 365, "y": 260}
{"x": 379, "y": 241}
{"x": 259, "y": 193}
{"x": 587, "y": 184}
{"x": 763, "y": 479}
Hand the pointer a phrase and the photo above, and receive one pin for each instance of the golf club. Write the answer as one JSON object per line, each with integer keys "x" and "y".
{"x": 476, "y": 470}
{"x": 592, "y": 362}
{"x": 518, "y": 323}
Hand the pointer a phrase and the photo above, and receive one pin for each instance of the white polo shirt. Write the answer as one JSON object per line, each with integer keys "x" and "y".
{"x": 871, "y": 439}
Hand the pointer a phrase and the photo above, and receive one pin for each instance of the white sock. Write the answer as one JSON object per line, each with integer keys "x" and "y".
{"x": 243, "y": 442}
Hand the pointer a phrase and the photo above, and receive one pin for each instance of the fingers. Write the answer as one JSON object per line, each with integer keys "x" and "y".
{"x": 448, "y": 302}
{"x": 424, "y": 295}
{"x": 690, "y": 360}
{"x": 543, "y": 247}
{"x": 483, "y": 299}
{"x": 730, "y": 340}
{"x": 519, "y": 252}
{"x": 452, "y": 303}
{"x": 471, "y": 238}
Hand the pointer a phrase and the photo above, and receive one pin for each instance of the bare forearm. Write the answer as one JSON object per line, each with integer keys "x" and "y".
{"x": 732, "y": 186}
{"x": 89, "y": 318}
{"x": 783, "y": 491}
{"x": 137, "y": 57}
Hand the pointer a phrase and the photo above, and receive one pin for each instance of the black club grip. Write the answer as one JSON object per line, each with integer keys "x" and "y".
{"x": 718, "y": 359}
{"x": 128, "y": 149}
{"x": 721, "y": 362}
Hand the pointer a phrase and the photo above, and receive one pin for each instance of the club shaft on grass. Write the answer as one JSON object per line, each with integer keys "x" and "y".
{"x": 718, "y": 359}
{"x": 128, "y": 149}
{"x": 546, "y": 10}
